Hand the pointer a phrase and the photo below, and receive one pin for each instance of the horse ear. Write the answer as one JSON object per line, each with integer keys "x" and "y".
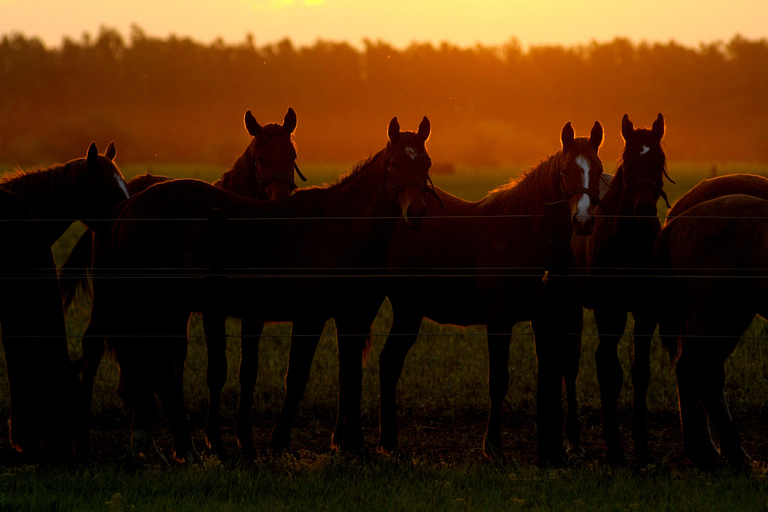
{"x": 92, "y": 155}
{"x": 393, "y": 132}
{"x": 596, "y": 136}
{"x": 659, "y": 127}
{"x": 251, "y": 125}
{"x": 566, "y": 137}
{"x": 110, "y": 152}
{"x": 424, "y": 129}
{"x": 289, "y": 122}
{"x": 627, "y": 128}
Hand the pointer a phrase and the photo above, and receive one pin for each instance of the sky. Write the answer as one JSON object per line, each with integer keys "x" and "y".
{"x": 398, "y": 22}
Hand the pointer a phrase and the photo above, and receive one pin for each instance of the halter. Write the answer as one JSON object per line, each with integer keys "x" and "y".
{"x": 657, "y": 190}
{"x": 263, "y": 184}
{"x": 568, "y": 193}
{"x": 426, "y": 189}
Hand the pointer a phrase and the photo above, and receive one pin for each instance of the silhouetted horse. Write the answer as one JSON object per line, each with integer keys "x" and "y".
{"x": 705, "y": 190}
{"x": 46, "y": 397}
{"x": 264, "y": 171}
{"x": 230, "y": 265}
{"x": 619, "y": 248}
{"x": 717, "y": 256}
{"x": 489, "y": 262}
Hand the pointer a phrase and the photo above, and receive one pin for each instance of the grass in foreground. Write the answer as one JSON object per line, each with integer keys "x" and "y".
{"x": 332, "y": 483}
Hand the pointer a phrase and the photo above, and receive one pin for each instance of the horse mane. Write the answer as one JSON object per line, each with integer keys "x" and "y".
{"x": 42, "y": 181}
{"x": 240, "y": 175}
{"x": 523, "y": 194}
{"x": 348, "y": 176}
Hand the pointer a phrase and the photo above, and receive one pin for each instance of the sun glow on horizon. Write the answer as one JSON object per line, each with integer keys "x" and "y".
{"x": 397, "y": 22}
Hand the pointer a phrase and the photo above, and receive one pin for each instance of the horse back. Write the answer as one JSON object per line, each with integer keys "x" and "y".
{"x": 720, "y": 186}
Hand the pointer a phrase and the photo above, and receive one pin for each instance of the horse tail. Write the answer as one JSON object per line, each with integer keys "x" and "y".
{"x": 75, "y": 271}
{"x": 672, "y": 321}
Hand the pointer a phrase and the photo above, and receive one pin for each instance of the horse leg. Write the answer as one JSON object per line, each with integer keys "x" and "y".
{"x": 610, "y": 325}
{"x": 570, "y": 359}
{"x": 402, "y": 336}
{"x": 93, "y": 351}
{"x": 304, "y": 340}
{"x": 216, "y": 345}
{"x": 168, "y": 389}
{"x": 641, "y": 376}
{"x": 137, "y": 392}
{"x": 249, "y": 368}
{"x": 550, "y": 347}
{"x": 710, "y": 354}
{"x": 351, "y": 348}
{"x": 697, "y": 438}
{"x": 713, "y": 399}
{"x": 499, "y": 337}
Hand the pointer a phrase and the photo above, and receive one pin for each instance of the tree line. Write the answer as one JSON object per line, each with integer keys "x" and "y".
{"x": 173, "y": 99}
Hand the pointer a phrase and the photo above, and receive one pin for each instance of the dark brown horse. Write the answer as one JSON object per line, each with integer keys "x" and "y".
{"x": 230, "y": 264}
{"x": 85, "y": 189}
{"x": 489, "y": 262}
{"x": 717, "y": 256}
{"x": 705, "y": 190}
{"x": 619, "y": 248}
{"x": 47, "y": 401}
{"x": 264, "y": 171}
{"x": 45, "y": 392}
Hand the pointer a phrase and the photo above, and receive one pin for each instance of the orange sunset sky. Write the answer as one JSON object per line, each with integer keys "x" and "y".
{"x": 399, "y": 22}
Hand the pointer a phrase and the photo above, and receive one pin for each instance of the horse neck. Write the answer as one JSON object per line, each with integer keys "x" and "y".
{"x": 363, "y": 193}
{"x": 48, "y": 196}
{"x": 615, "y": 195}
{"x": 529, "y": 194}
{"x": 241, "y": 179}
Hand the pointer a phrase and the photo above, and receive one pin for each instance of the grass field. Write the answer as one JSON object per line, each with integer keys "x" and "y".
{"x": 443, "y": 402}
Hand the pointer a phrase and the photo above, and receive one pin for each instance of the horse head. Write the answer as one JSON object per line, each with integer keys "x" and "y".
{"x": 408, "y": 166}
{"x": 96, "y": 185}
{"x": 580, "y": 171}
{"x": 272, "y": 156}
{"x": 643, "y": 169}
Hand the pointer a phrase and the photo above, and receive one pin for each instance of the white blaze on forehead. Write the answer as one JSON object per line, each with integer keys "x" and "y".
{"x": 645, "y": 150}
{"x": 411, "y": 152}
{"x": 123, "y": 186}
{"x": 584, "y": 200}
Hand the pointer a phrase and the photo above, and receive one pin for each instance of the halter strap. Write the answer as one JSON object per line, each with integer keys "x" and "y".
{"x": 263, "y": 184}
{"x": 659, "y": 191}
{"x": 594, "y": 198}
{"x": 426, "y": 189}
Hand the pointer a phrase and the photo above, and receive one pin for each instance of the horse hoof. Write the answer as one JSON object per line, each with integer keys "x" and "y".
{"x": 616, "y": 457}
{"x": 143, "y": 445}
{"x": 188, "y": 457}
{"x": 493, "y": 451}
{"x": 387, "y": 449}
{"x": 218, "y": 449}
{"x": 576, "y": 451}
{"x": 643, "y": 456}
{"x": 356, "y": 449}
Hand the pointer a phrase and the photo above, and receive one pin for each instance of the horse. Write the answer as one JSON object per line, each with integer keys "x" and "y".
{"x": 228, "y": 264}
{"x": 47, "y": 401}
{"x": 748, "y": 184}
{"x": 85, "y": 189}
{"x": 47, "y": 201}
{"x": 495, "y": 262}
{"x": 620, "y": 247}
{"x": 715, "y": 253}
{"x": 265, "y": 171}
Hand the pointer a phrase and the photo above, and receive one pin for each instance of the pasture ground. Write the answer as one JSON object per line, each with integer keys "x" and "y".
{"x": 443, "y": 402}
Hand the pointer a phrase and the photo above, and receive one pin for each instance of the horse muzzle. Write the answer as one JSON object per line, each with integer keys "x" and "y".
{"x": 413, "y": 205}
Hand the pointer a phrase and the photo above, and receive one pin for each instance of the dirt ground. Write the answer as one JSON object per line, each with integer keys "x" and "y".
{"x": 423, "y": 440}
